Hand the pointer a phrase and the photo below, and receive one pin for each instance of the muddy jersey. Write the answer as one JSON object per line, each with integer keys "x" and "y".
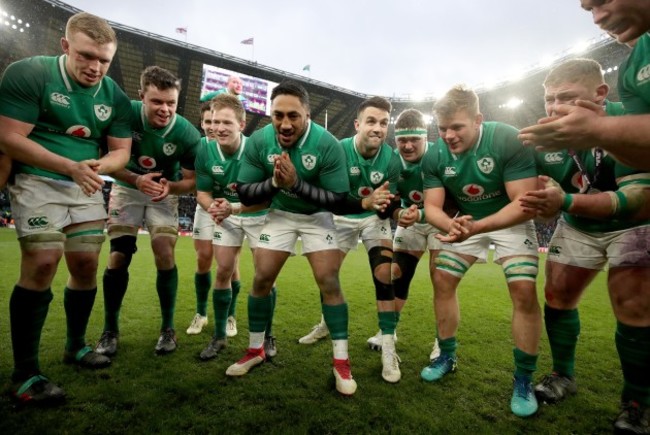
{"x": 165, "y": 150}
{"x": 366, "y": 175}
{"x": 589, "y": 171}
{"x": 317, "y": 156}
{"x": 634, "y": 78}
{"x": 69, "y": 119}
{"x": 476, "y": 178}
{"x": 216, "y": 171}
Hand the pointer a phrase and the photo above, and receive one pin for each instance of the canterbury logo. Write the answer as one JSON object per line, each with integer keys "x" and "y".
{"x": 37, "y": 222}
{"x": 265, "y": 238}
{"x": 60, "y": 99}
{"x": 644, "y": 74}
{"x": 553, "y": 158}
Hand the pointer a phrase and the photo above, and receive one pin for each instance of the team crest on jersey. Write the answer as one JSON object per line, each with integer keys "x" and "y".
{"x": 376, "y": 177}
{"x": 309, "y": 161}
{"x": 216, "y": 169}
{"x": 643, "y": 75}
{"x": 416, "y": 196}
{"x": 365, "y": 191}
{"x": 354, "y": 170}
{"x": 78, "y": 131}
{"x": 147, "y": 162}
{"x": 473, "y": 190}
{"x": 486, "y": 164}
{"x": 60, "y": 99}
{"x": 271, "y": 158}
{"x": 103, "y": 112}
{"x": 169, "y": 148}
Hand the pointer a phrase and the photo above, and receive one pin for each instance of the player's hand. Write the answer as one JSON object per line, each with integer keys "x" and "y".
{"x": 284, "y": 172}
{"x": 408, "y": 216}
{"x": 571, "y": 126}
{"x": 379, "y": 199}
{"x": 165, "y": 186}
{"x": 85, "y": 174}
{"x": 220, "y": 210}
{"x": 460, "y": 229}
{"x": 545, "y": 202}
{"x": 148, "y": 185}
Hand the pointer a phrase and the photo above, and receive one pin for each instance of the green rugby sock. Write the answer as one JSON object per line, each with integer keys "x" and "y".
{"x": 115, "y": 282}
{"x": 259, "y": 312}
{"x": 448, "y": 346}
{"x": 387, "y": 322}
{"x": 221, "y": 302}
{"x": 27, "y": 312}
{"x": 236, "y": 287}
{"x": 633, "y": 345}
{"x": 525, "y": 363}
{"x": 269, "y": 326}
{"x": 202, "y": 285}
{"x": 167, "y": 287}
{"x": 78, "y": 306}
{"x": 336, "y": 319}
{"x": 563, "y": 329}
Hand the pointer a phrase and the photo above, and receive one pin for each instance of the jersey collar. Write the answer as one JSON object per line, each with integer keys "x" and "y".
{"x": 240, "y": 150}
{"x": 163, "y": 132}
{"x": 362, "y": 158}
{"x": 475, "y": 147}
{"x": 69, "y": 82}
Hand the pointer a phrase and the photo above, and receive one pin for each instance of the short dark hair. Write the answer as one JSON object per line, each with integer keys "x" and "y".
{"x": 160, "y": 78}
{"x": 377, "y": 102}
{"x": 205, "y": 107}
{"x": 289, "y": 87}
{"x": 410, "y": 119}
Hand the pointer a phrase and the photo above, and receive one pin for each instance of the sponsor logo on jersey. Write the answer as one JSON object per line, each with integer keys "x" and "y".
{"x": 309, "y": 161}
{"x": 376, "y": 177}
{"x": 37, "y": 222}
{"x": 147, "y": 162}
{"x": 643, "y": 75}
{"x": 416, "y": 196}
{"x": 475, "y": 192}
{"x": 365, "y": 191}
{"x": 103, "y": 112}
{"x": 271, "y": 158}
{"x": 216, "y": 169}
{"x": 450, "y": 171}
{"x": 553, "y": 158}
{"x": 169, "y": 148}
{"x": 354, "y": 170}
{"x": 486, "y": 164}
{"x": 60, "y": 99}
{"x": 232, "y": 187}
{"x": 78, "y": 131}
{"x": 578, "y": 181}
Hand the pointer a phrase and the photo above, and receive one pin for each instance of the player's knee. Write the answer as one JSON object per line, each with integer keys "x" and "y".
{"x": 403, "y": 270}
{"x": 126, "y": 247}
{"x": 452, "y": 264}
{"x": 383, "y": 292}
{"x": 378, "y": 257}
{"x": 520, "y": 268}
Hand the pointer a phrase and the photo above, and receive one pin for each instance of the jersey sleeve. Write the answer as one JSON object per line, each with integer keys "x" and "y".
{"x": 21, "y": 89}
{"x": 394, "y": 169}
{"x": 203, "y": 176}
{"x": 251, "y": 168}
{"x": 430, "y": 177}
{"x": 519, "y": 161}
{"x": 191, "y": 146}
{"x": 333, "y": 175}
{"x": 121, "y": 124}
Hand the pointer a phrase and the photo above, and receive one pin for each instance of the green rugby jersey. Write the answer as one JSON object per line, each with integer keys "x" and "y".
{"x": 164, "y": 149}
{"x": 476, "y": 178}
{"x": 634, "y": 78}
{"x": 69, "y": 119}
{"x": 317, "y": 156}
{"x": 366, "y": 175}
{"x": 410, "y": 183}
{"x": 216, "y": 171}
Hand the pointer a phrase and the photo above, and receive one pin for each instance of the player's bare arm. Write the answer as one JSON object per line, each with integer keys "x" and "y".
{"x": 119, "y": 151}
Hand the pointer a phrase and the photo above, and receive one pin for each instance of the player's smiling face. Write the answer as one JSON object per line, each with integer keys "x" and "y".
{"x": 159, "y": 105}
{"x": 227, "y": 128}
{"x": 290, "y": 119}
{"x": 87, "y": 61}
{"x": 568, "y": 93}
{"x": 372, "y": 128}
{"x": 625, "y": 20}
{"x": 460, "y": 131}
{"x": 411, "y": 148}
{"x": 206, "y": 124}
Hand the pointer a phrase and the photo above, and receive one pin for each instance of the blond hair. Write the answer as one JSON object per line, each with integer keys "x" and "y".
{"x": 94, "y": 27}
{"x": 458, "y": 98}
{"x": 584, "y": 71}
{"x": 228, "y": 101}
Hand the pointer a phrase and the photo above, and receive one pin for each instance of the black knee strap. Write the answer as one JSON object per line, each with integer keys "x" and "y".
{"x": 125, "y": 245}
{"x": 407, "y": 264}
{"x": 376, "y": 257}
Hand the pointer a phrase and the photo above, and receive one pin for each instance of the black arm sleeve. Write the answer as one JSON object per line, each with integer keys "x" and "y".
{"x": 256, "y": 193}
{"x": 395, "y": 204}
{"x": 331, "y": 201}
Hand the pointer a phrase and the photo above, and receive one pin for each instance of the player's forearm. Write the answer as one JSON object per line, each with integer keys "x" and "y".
{"x": 436, "y": 216}
{"x": 508, "y": 216}
{"x": 331, "y": 201}
{"x": 26, "y": 151}
{"x": 125, "y": 176}
{"x": 631, "y": 204}
{"x": 182, "y": 186}
{"x": 204, "y": 199}
{"x": 114, "y": 161}
{"x": 256, "y": 193}
{"x": 627, "y": 138}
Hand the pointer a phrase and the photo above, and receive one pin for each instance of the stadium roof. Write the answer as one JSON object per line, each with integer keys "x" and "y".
{"x": 330, "y": 105}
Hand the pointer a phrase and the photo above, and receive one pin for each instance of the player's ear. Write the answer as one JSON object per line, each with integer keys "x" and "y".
{"x": 65, "y": 45}
{"x": 479, "y": 119}
{"x": 141, "y": 94}
{"x": 601, "y": 93}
